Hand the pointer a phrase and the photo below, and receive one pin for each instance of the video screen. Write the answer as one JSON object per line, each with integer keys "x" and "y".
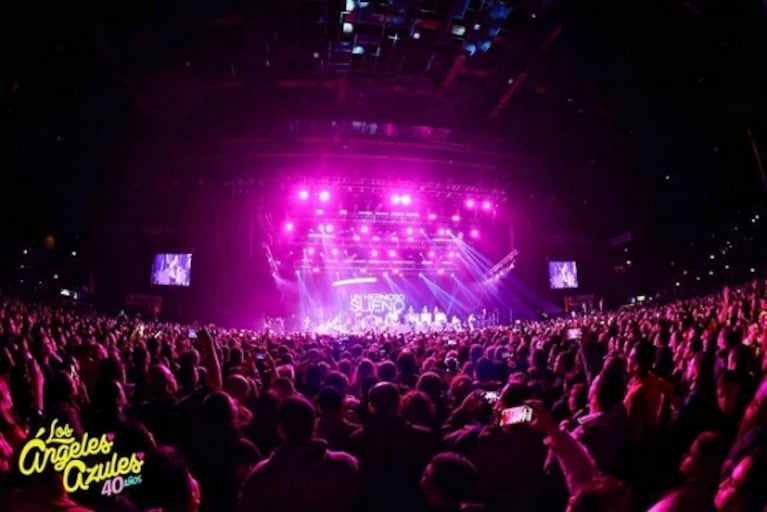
{"x": 563, "y": 275}
{"x": 171, "y": 269}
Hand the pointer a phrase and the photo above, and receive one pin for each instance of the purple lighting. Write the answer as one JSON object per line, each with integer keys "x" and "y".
{"x": 364, "y": 229}
{"x": 406, "y": 200}
{"x": 324, "y": 196}
{"x": 409, "y": 231}
{"x": 392, "y": 253}
{"x": 329, "y": 228}
{"x": 431, "y": 254}
{"x": 432, "y": 216}
{"x": 303, "y": 195}
{"x": 486, "y": 205}
{"x": 475, "y": 233}
{"x": 442, "y": 231}
{"x": 335, "y": 252}
{"x": 395, "y": 199}
{"x": 456, "y": 218}
{"x": 310, "y": 250}
{"x": 470, "y": 203}
{"x": 289, "y": 226}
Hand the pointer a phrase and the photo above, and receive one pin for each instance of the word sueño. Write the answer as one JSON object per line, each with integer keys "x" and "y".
{"x": 66, "y": 454}
{"x": 377, "y": 303}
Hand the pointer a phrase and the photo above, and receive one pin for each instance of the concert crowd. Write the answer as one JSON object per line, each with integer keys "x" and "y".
{"x": 657, "y": 407}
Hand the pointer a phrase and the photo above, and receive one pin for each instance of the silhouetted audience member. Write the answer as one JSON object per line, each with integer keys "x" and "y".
{"x": 331, "y": 425}
{"x": 451, "y": 484}
{"x": 392, "y": 453}
{"x": 302, "y": 474}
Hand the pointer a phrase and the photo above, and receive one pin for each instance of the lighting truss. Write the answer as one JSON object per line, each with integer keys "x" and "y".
{"x": 350, "y": 226}
{"x": 505, "y": 265}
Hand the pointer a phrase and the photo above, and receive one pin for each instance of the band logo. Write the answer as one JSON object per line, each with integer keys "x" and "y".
{"x": 377, "y": 303}
{"x": 57, "y": 447}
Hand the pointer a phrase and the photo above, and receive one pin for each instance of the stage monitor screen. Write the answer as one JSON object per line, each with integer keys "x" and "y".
{"x": 171, "y": 269}
{"x": 563, "y": 275}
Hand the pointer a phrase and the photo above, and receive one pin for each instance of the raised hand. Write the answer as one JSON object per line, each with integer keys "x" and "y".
{"x": 542, "y": 419}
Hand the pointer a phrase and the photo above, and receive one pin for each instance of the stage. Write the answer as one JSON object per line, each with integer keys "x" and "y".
{"x": 366, "y": 255}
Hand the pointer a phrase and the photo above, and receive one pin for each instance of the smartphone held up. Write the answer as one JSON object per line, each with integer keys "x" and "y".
{"x": 516, "y": 416}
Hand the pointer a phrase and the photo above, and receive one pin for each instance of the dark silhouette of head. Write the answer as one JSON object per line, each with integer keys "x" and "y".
{"x": 295, "y": 419}
{"x": 384, "y": 399}
{"x": 449, "y": 480}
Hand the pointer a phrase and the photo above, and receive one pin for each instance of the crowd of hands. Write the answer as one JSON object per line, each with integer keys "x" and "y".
{"x": 660, "y": 406}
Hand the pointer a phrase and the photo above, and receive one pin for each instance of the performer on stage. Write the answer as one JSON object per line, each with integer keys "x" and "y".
{"x": 425, "y": 317}
{"x": 411, "y": 318}
{"x": 440, "y": 318}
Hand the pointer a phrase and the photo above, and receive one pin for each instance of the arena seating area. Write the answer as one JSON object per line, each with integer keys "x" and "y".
{"x": 659, "y": 406}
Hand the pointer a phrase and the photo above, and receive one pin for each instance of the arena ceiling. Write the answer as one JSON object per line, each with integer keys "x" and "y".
{"x": 620, "y": 114}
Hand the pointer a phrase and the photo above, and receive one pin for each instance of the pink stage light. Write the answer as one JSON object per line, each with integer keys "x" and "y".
{"x": 376, "y": 238}
{"x": 316, "y": 270}
{"x": 395, "y": 271}
{"x": 335, "y": 252}
{"x": 303, "y": 195}
{"x": 475, "y": 233}
{"x": 374, "y": 253}
{"x": 442, "y": 231}
{"x": 392, "y": 253}
{"x": 456, "y": 218}
{"x": 320, "y": 212}
{"x": 289, "y": 226}
{"x": 310, "y": 250}
{"x": 324, "y": 196}
{"x": 409, "y": 231}
{"x": 394, "y": 238}
{"x": 441, "y": 271}
{"x": 356, "y": 238}
{"x": 364, "y": 229}
{"x": 395, "y": 199}
{"x": 486, "y": 205}
{"x": 431, "y": 254}
{"x": 406, "y": 200}
{"x": 470, "y": 203}
{"x": 432, "y": 216}
{"x": 451, "y": 254}
{"x": 329, "y": 228}
{"x": 410, "y": 239}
